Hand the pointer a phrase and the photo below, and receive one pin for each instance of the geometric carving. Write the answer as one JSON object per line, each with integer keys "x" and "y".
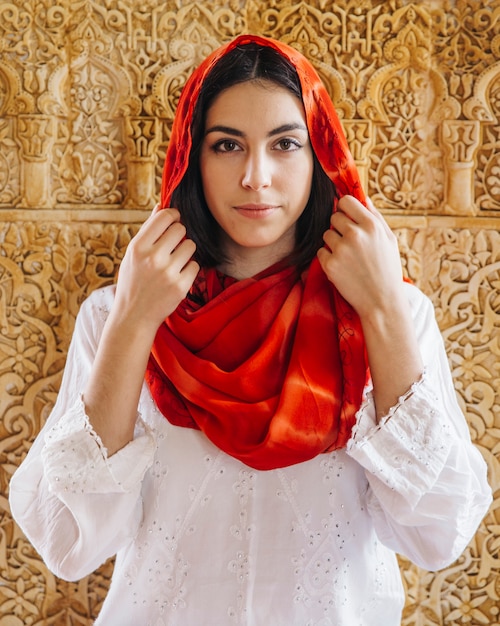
{"x": 484, "y": 106}
{"x": 36, "y": 136}
{"x": 464, "y": 283}
{"x": 10, "y": 183}
{"x": 90, "y": 164}
{"x": 360, "y": 137}
{"x": 460, "y": 140}
{"x": 142, "y": 137}
{"x": 46, "y": 270}
{"x": 461, "y": 272}
{"x": 406, "y": 99}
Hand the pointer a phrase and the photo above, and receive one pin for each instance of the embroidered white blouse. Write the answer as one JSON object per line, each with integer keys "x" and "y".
{"x": 202, "y": 540}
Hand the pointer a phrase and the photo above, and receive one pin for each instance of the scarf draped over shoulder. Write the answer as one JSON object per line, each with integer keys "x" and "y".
{"x": 270, "y": 368}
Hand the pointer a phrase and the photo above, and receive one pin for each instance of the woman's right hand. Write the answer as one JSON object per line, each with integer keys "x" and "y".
{"x": 157, "y": 271}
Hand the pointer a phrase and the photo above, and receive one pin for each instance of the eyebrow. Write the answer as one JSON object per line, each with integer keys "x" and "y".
{"x": 219, "y": 128}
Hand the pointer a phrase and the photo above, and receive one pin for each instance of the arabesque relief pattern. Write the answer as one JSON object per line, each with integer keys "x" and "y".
{"x": 88, "y": 91}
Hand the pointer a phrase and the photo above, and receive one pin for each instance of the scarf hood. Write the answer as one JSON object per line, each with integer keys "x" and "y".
{"x": 272, "y": 368}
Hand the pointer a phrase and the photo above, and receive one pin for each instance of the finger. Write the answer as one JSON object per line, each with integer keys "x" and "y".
{"x": 341, "y": 221}
{"x": 378, "y": 215}
{"x": 156, "y": 225}
{"x": 187, "y": 276}
{"x": 190, "y": 271}
{"x": 361, "y": 214}
{"x": 171, "y": 238}
{"x": 182, "y": 253}
{"x": 351, "y": 207}
{"x": 370, "y": 206}
{"x": 323, "y": 255}
{"x": 182, "y": 264}
{"x": 356, "y": 210}
{"x": 373, "y": 210}
{"x": 328, "y": 263}
{"x": 155, "y": 210}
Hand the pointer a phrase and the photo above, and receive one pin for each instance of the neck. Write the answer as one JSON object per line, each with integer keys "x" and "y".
{"x": 241, "y": 269}
{"x": 243, "y": 262}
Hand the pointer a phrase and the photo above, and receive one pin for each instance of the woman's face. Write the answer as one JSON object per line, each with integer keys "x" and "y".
{"x": 256, "y": 165}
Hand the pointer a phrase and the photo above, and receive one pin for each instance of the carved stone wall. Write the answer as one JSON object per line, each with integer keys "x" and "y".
{"x": 88, "y": 89}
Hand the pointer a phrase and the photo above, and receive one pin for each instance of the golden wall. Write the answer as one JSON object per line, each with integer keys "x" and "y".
{"x": 88, "y": 90}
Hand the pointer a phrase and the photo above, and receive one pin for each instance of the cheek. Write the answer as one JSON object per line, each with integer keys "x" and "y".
{"x": 300, "y": 181}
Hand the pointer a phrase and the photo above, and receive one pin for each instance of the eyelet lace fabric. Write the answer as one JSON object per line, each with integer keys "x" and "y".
{"x": 201, "y": 538}
{"x": 76, "y": 460}
{"x": 407, "y": 449}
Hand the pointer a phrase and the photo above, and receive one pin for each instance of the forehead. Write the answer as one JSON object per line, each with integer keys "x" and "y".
{"x": 261, "y": 102}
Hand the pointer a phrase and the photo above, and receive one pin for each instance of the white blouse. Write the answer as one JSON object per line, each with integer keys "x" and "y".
{"x": 203, "y": 540}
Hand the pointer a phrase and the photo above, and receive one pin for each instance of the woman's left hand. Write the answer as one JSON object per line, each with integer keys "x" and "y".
{"x": 361, "y": 257}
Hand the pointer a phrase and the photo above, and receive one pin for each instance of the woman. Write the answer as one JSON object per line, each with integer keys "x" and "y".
{"x": 298, "y": 423}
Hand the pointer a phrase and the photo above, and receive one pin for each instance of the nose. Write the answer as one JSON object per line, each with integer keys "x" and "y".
{"x": 257, "y": 173}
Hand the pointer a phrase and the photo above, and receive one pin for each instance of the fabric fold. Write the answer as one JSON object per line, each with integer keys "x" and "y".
{"x": 272, "y": 368}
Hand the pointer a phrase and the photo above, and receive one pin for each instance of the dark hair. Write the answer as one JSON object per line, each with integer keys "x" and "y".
{"x": 244, "y": 63}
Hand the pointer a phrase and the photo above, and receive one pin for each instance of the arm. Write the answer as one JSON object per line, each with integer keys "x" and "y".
{"x": 75, "y": 504}
{"x": 77, "y": 494}
{"x": 428, "y": 488}
{"x": 156, "y": 273}
{"x": 362, "y": 260}
{"x": 428, "y": 483}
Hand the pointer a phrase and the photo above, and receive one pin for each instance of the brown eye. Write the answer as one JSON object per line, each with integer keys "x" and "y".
{"x": 288, "y": 145}
{"x": 226, "y": 145}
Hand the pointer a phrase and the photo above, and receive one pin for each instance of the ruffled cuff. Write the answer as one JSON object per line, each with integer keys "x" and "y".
{"x": 76, "y": 461}
{"x": 408, "y": 448}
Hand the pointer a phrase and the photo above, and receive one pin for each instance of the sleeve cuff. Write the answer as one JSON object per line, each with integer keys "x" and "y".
{"x": 408, "y": 448}
{"x": 75, "y": 459}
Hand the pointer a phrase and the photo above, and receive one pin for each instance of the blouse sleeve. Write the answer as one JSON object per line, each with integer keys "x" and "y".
{"x": 428, "y": 482}
{"x": 75, "y": 504}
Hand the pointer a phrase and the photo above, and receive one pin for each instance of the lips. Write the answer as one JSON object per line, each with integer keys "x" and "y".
{"x": 256, "y": 211}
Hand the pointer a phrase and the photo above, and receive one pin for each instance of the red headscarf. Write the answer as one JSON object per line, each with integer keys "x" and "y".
{"x": 272, "y": 368}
